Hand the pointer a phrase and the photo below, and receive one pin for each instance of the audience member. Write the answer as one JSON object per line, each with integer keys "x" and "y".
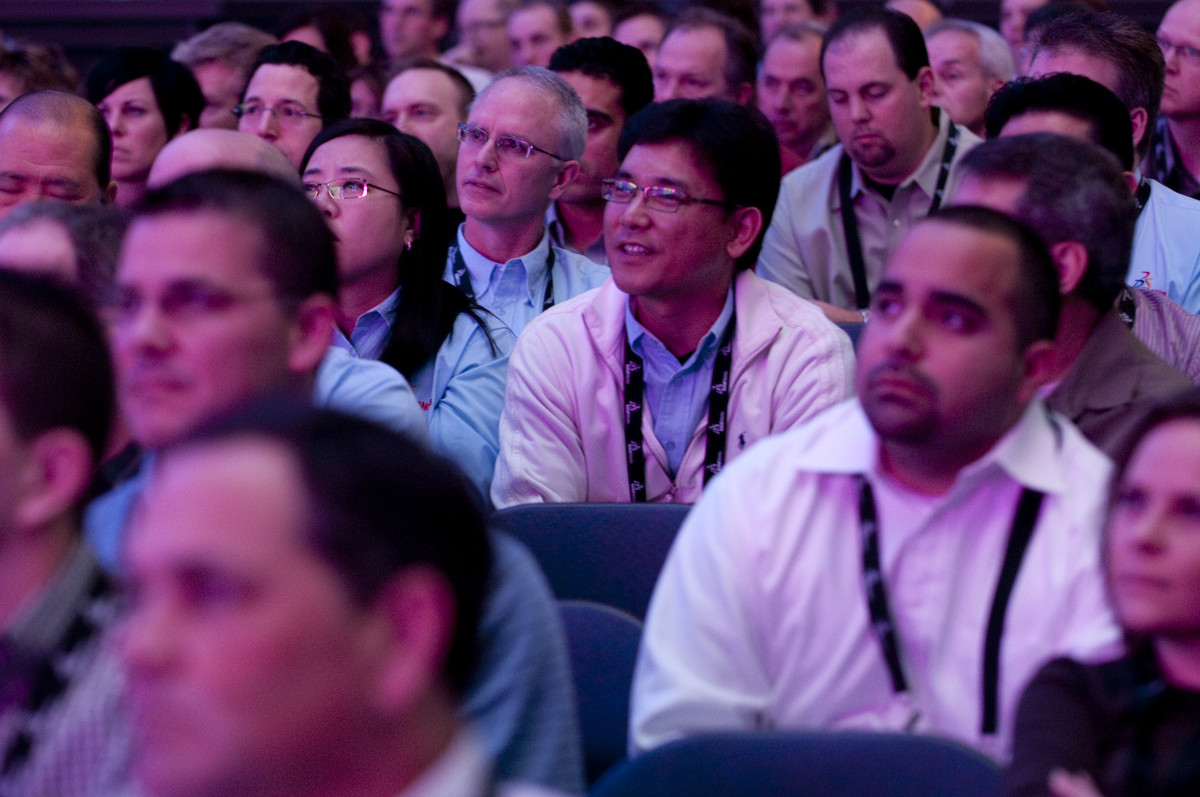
{"x": 706, "y": 54}
{"x": 225, "y": 294}
{"x": 483, "y": 34}
{"x": 217, "y": 148}
{"x": 1013, "y": 15}
{"x": 393, "y": 304}
{"x": 1166, "y": 243}
{"x": 714, "y": 358}
{"x": 329, "y": 30}
{"x": 76, "y": 244}
{"x": 1112, "y": 50}
{"x": 642, "y": 25}
{"x": 791, "y": 92}
{"x": 775, "y": 15}
{"x": 1075, "y": 197}
{"x": 923, "y": 12}
{"x": 614, "y": 82}
{"x": 506, "y": 181}
{"x": 536, "y": 28}
{"x": 354, "y": 567}
{"x": 841, "y": 215}
{"x": 146, "y": 99}
{"x": 413, "y": 28}
{"x": 366, "y": 92}
{"x": 29, "y": 66}
{"x": 970, "y": 62}
{"x": 61, "y": 726}
{"x": 1129, "y": 726}
{"x": 221, "y": 59}
{"x": 1173, "y": 157}
{"x": 429, "y": 100}
{"x": 591, "y": 19}
{"x": 294, "y": 91}
{"x": 54, "y": 145}
{"x": 771, "y": 612}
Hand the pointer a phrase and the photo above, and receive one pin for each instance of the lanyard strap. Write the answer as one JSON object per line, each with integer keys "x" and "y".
{"x": 718, "y": 410}
{"x": 884, "y": 626}
{"x": 858, "y": 267}
{"x": 463, "y": 279}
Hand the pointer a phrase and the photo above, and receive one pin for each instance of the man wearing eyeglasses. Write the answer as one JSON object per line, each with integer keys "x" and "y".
{"x": 643, "y": 390}
{"x": 294, "y": 91}
{"x": 225, "y": 295}
{"x": 519, "y": 151}
{"x": 1117, "y": 53}
{"x": 1174, "y": 155}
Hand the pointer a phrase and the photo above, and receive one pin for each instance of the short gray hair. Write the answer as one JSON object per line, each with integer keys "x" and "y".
{"x": 234, "y": 43}
{"x": 995, "y": 58}
{"x": 571, "y": 124}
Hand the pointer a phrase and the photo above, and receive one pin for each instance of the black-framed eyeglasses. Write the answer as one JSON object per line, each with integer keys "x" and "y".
{"x": 286, "y": 114}
{"x": 509, "y": 146}
{"x": 345, "y": 188}
{"x": 655, "y": 197}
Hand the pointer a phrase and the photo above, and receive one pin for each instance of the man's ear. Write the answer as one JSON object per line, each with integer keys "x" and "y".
{"x": 1038, "y": 364}
{"x": 744, "y": 94}
{"x": 311, "y": 332}
{"x": 927, "y": 85}
{"x": 1138, "y": 118}
{"x": 566, "y": 176}
{"x": 418, "y": 609}
{"x": 746, "y": 224}
{"x": 1071, "y": 259}
{"x": 56, "y": 475}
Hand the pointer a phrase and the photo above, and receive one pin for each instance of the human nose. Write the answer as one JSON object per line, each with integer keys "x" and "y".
{"x": 903, "y": 333}
{"x": 325, "y": 203}
{"x": 634, "y": 213}
{"x": 116, "y": 123}
{"x": 143, "y": 639}
{"x": 267, "y": 126}
{"x": 859, "y": 111}
{"x": 143, "y": 327}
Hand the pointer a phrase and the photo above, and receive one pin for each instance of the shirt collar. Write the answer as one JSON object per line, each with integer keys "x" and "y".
{"x": 479, "y": 268}
{"x": 41, "y": 624}
{"x": 926, "y": 174}
{"x": 1027, "y": 452}
{"x": 638, "y": 336}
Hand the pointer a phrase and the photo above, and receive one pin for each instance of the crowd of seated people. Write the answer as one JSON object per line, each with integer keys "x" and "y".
{"x": 901, "y": 304}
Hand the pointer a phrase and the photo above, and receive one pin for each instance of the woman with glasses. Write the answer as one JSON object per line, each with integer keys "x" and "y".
{"x": 1131, "y": 726}
{"x": 381, "y": 193}
{"x": 147, "y": 99}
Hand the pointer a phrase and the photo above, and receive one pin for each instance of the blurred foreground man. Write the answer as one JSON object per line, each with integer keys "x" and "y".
{"x": 305, "y": 594}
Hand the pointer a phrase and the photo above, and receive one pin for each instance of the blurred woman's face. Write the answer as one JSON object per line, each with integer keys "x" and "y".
{"x": 1153, "y": 543}
{"x": 138, "y": 129}
{"x": 370, "y": 232}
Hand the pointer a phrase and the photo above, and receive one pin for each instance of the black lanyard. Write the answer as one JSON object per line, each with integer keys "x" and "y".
{"x": 858, "y": 267}
{"x": 884, "y": 627}
{"x": 463, "y": 280}
{"x": 718, "y": 410}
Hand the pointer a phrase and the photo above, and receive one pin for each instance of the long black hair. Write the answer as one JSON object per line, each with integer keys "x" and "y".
{"x": 428, "y": 305}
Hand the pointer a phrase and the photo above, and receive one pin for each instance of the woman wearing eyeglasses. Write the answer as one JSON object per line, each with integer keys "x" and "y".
{"x": 382, "y": 195}
{"x": 1131, "y": 726}
{"x": 146, "y": 99}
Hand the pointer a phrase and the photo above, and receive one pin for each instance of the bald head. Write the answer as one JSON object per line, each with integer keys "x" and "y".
{"x": 53, "y": 145}
{"x": 212, "y": 148}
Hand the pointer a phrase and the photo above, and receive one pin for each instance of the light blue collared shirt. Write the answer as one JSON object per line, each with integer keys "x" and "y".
{"x": 516, "y": 291}
{"x": 461, "y": 390}
{"x": 677, "y": 393}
